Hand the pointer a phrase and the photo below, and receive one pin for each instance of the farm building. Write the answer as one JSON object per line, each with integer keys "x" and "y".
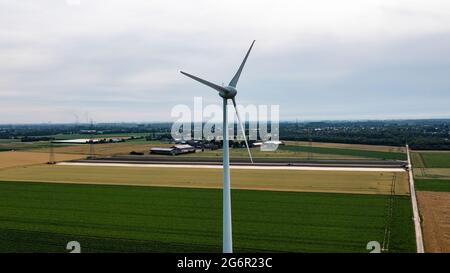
{"x": 162, "y": 151}
{"x": 174, "y": 150}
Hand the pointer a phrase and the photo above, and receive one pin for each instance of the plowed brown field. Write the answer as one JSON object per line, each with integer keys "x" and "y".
{"x": 435, "y": 212}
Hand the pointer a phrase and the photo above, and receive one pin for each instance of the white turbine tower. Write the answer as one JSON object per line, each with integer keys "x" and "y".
{"x": 228, "y": 92}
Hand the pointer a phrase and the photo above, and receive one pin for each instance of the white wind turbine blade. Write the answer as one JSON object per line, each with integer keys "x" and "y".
{"x": 235, "y": 79}
{"x": 243, "y": 129}
{"x": 205, "y": 82}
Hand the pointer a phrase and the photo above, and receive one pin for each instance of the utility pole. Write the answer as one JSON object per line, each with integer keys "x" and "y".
{"x": 310, "y": 154}
{"x": 91, "y": 141}
{"x": 51, "y": 157}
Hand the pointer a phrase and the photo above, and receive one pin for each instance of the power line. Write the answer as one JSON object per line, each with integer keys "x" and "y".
{"x": 390, "y": 214}
{"x": 91, "y": 141}
{"x": 310, "y": 153}
{"x": 51, "y": 156}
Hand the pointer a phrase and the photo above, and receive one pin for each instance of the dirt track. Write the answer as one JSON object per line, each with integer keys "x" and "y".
{"x": 435, "y": 211}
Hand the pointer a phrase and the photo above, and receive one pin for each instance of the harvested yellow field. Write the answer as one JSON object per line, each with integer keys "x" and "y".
{"x": 279, "y": 180}
{"x": 434, "y": 208}
{"x": 15, "y": 159}
{"x": 378, "y": 148}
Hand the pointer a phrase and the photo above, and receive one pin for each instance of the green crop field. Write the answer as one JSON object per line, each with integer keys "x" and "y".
{"x": 431, "y": 165}
{"x": 43, "y": 146}
{"x": 346, "y": 152}
{"x": 299, "y": 151}
{"x": 433, "y": 159}
{"x": 433, "y": 185}
{"x": 43, "y": 217}
{"x": 17, "y": 145}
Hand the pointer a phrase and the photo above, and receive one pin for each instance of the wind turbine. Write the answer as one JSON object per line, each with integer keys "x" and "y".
{"x": 227, "y": 93}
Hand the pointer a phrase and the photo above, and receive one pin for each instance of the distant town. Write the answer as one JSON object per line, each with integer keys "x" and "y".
{"x": 430, "y": 134}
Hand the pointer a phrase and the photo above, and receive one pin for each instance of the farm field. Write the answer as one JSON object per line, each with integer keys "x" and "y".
{"x": 323, "y": 152}
{"x": 17, "y": 145}
{"x": 105, "y": 149}
{"x": 431, "y": 164}
{"x": 139, "y": 145}
{"x": 279, "y": 180}
{"x": 434, "y": 209}
{"x": 378, "y": 148}
{"x": 257, "y": 153}
{"x": 292, "y": 149}
{"x": 43, "y": 217}
{"x": 431, "y": 159}
{"x": 283, "y": 151}
{"x": 432, "y": 181}
{"x": 20, "y": 158}
{"x": 132, "y": 209}
{"x": 432, "y": 173}
{"x": 74, "y": 136}
{"x": 347, "y": 152}
{"x": 433, "y": 185}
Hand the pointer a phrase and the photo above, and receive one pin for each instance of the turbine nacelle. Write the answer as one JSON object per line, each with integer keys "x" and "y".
{"x": 228, "y": 92}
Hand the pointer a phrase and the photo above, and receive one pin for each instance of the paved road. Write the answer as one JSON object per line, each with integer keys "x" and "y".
{"x": 263, "y": 162}
{"x": 242, "y": 167}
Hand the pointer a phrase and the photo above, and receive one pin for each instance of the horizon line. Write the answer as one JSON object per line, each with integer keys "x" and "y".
{"x": 281, "y": 121}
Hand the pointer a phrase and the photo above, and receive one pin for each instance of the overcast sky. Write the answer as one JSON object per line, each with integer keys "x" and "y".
{"x": 69, "y": 60}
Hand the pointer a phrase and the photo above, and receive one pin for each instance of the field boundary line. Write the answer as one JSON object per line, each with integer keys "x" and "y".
{"x": 422, "y": 160}
{"x": 416, "y": 215}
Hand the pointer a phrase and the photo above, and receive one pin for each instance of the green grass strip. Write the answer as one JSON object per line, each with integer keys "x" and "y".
{"x": 440, "y": 185}
{"x": 349, "y": 152}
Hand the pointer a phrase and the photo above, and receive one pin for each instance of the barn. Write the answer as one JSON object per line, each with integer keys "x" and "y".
{"x": 174, "y": 150}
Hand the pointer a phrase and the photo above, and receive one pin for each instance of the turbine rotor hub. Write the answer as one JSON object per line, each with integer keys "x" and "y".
{"x": 229, "y": 94}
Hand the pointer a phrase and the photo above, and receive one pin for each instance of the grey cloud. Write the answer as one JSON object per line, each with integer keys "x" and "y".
{"x": 120, "y": 61}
